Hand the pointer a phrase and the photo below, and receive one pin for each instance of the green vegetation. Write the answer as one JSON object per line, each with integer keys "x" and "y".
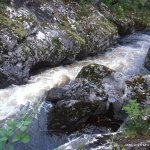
{"x": 137, "y": 123}
{"x": 67, "y": 27}
{"x": 13, "y": 26}
{"x": 4, "y": 1}
{"x": 137, "y": 128}
{"x": 84, "y": 8}
{"x": 76, "y": 37}
{"x": 136, "y": 9}
{"x": 14, "y": 131}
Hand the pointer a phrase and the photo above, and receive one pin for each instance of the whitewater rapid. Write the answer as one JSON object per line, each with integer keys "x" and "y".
{"x": 127, "y": 57}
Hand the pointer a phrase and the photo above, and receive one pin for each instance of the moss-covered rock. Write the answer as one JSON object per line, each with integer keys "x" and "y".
{"x": 127, "y": 18}
{"x": 54, "y": 32}
{"x": 137, "y": 89}
{"x": 94, "y": 72}
{"x": 82, "y": 98}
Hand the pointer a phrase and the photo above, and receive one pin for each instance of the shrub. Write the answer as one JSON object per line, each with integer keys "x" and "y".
{"x": 137, "y": 123}
{"x": 14, "y": 131}
{"x": 4, "y": 1}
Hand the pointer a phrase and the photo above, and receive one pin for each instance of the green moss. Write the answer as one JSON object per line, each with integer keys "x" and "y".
{"x": 85, "y": 10}
{"x": 13, "y": 26}
{"x": 65, "y": 23}
{"x": 142, "y": 19}
{"x": 136, "y": 11}
{"x": 106, "y": 25}
{"x": 139, "y": 88}
{"x": 25, "y": 49}
{"x": 56, "y": 43}
{"x": 94, "y": 72}
{"x": 28, "y": 19}
{"x": 67, "y": 27}
{"x": 76, "y": 37}
{"x": 4, "y": 1}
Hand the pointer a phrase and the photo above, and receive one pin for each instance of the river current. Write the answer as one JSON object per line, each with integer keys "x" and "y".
{"x": 127, "y": 57}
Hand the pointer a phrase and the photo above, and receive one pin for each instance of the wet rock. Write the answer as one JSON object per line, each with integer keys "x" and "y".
{"x": 55, "y": 94}
{"x": 83, "y": 89}
{"x": 80, "y": 99}
{"x": 89, "y": 142}
{"x": 147, "y": 60}
{"x": 68, "y": 116}
{"x": 3, "y": 78}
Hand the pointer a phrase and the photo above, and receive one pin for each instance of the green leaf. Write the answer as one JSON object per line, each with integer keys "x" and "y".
{"x": 4, "y": 139}
{"x": 25, "y": 139}
{"x": 23, "y": 128}
{"x": 10, "y": 133}
{"x": 2, "y": 132}
{"x": 2, "y": 145}
{"x": 16, "y": 138}
{"x": 11, "y": 123}
{"x": 27, "y": 122}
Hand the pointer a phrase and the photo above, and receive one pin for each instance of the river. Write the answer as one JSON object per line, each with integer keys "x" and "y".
{"x": 127, "y": 57}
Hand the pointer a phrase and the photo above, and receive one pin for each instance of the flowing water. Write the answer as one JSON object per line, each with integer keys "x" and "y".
{"x": 127, "y": 57}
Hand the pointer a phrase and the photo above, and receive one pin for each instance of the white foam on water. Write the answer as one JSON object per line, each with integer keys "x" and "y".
{"x": 127, "y": 59}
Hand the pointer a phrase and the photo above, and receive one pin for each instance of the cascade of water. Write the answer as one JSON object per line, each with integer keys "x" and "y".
{"x": 127, "y": 58}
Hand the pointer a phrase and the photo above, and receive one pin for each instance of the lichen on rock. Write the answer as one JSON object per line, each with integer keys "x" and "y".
{"x": 51, "y": 32}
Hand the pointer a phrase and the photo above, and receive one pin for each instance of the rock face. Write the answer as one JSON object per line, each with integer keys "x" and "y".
{"x": 46, "y": 34}
{"x": 147, "y": 60}
{"x": 82, "y": 98}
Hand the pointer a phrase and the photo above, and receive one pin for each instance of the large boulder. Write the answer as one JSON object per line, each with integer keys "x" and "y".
{"x": 46, "y": 34}
{"x": 84, "y": 97}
